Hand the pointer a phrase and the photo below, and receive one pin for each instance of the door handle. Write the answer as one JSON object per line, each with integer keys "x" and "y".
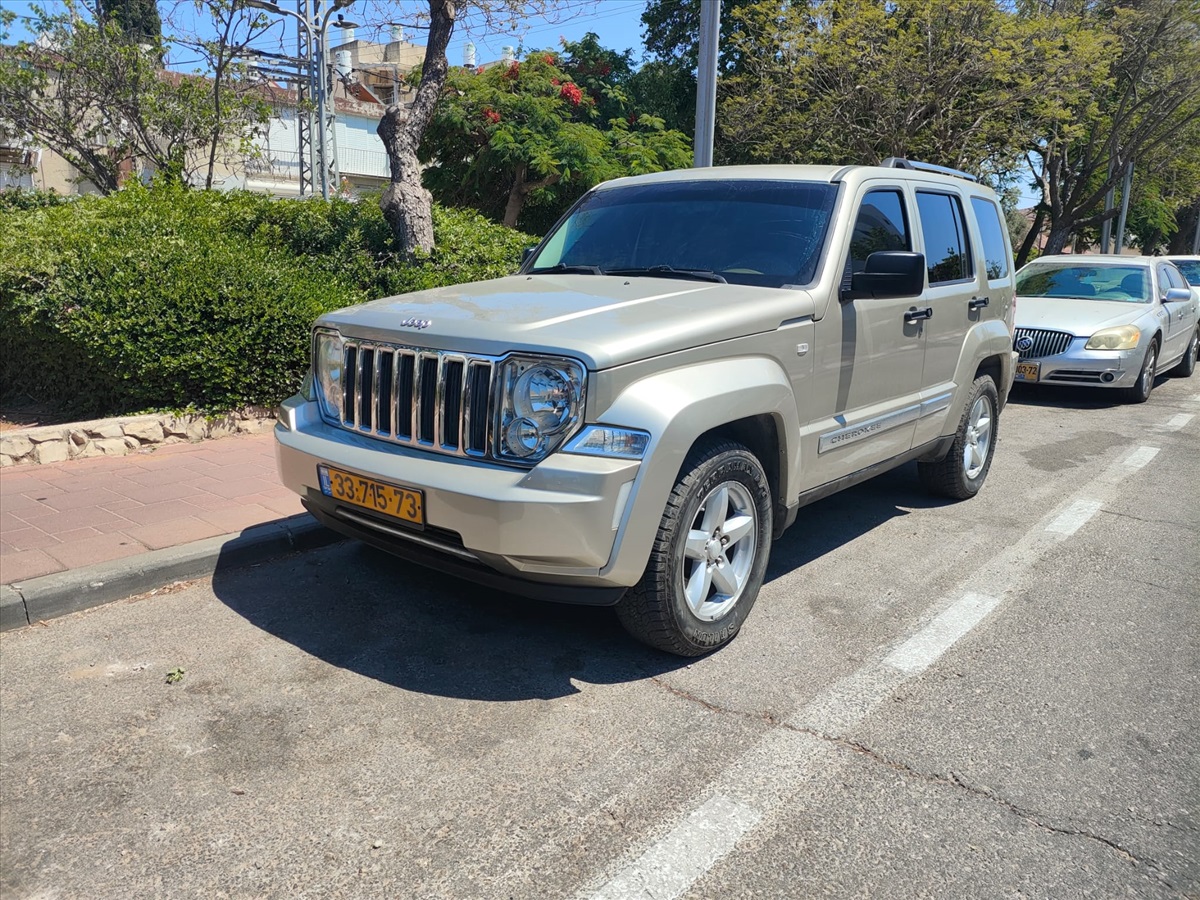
{"x": 978, "y": 302}
{"x": 914, "y": 314}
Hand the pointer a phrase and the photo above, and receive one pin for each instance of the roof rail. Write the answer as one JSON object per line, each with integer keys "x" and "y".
{"x": 899, "y": 162}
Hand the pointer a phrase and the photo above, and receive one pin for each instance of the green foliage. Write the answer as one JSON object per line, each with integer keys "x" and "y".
{"x": 520, "y": 143}
{"x": 163, "y": 298}
{"x": 137, "y": 19}
{"x": 12, "y": 199}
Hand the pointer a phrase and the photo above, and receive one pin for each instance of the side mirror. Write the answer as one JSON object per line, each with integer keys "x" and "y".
{"x": 889, "y": 273}
{"x": 526, "y": 253}
{"x": 1177, "y": 295}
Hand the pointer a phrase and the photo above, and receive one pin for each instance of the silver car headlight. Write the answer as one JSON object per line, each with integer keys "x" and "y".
{"x": 329, "y": 360}
{"x": 541, "y": 406}
{"x": 1120, "y": 337}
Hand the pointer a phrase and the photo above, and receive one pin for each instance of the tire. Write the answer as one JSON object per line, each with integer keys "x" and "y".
{"x": 709, "y": 556}
{"x": 1140, "y": 392}
{"x": 1187, "y": 365}
{"x": 961, "y": 472}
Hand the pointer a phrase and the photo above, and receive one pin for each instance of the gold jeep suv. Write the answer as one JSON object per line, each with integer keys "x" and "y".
{"x": 684, "y": 362}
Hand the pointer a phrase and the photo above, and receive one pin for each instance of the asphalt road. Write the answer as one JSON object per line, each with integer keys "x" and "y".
{"x": 998, "y": 698}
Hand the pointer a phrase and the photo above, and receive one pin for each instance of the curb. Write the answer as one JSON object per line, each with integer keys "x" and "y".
{"x": 49, "y": 596}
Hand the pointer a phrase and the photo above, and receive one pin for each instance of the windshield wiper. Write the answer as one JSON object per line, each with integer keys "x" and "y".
{"x": 563, "y": 268}
{"x": 671, "y": 272}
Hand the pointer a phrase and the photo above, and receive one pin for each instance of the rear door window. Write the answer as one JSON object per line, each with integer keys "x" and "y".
{"x": 947, "y": 249}
{"x": 991, "y": 235}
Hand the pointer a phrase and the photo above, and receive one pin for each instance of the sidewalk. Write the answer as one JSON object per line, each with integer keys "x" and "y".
{"x": 82, "y": 516}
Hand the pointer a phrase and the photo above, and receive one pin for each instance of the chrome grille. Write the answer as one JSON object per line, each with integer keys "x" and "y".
{"x": 1045, "y": 343}
{"x": 431, "y": 399}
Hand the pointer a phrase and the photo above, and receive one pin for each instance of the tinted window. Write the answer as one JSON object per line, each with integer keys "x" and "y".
{"x": 947, "y": 250}
{"x": 1079, "y": 281}
{"x": 881, "y": 225}
{"x": 1191, "y": 271}
{"x": 1170, "y": 278}
{"x": 991, "y": 233}
{"x": 766, "y": 233}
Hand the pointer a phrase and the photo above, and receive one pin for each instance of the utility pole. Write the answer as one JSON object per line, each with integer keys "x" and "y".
{"x": 304, "y": 94}
{"x": 706, "y": 82}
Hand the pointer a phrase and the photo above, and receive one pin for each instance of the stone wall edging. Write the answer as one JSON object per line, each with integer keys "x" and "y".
{"x": 124, "y": 434}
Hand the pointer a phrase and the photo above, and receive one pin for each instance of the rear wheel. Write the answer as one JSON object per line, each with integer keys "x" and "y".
{"x": 1187, "y": 365}
{"x": 1140, "y": 392}
{"x": 961, "y": 472}
{"x": 709, "y": 556}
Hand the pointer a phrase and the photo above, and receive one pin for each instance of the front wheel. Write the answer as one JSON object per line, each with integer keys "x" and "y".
{"x": 709, "y": 556}
{"x": 1140, "y": 392}
{"x": 961, "y": 472}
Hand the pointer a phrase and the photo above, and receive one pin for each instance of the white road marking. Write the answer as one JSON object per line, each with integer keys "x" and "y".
{"x": 922, "y": 650}
{"x": 1075, "y": 517}
{"x": 1179, "y": 421}
{"x": 670, "y": 866}
{"x": 1140, "y": 457}
{"x": 788, "y": 760}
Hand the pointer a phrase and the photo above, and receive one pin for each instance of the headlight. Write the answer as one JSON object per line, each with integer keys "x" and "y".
{"x": 1122, "y": 337}
{"x": 328, "y": 363}
{"x": 542, "y": 406}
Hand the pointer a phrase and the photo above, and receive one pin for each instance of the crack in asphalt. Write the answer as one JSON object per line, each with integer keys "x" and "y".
{"x": 952, "y": 780}
{"x": 956, "y": 780}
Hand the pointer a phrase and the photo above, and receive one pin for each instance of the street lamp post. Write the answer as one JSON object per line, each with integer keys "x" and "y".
{"x": 317, "y": 69}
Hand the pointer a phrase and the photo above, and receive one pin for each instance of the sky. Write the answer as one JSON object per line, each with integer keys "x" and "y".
{"x": 616, "y": 22}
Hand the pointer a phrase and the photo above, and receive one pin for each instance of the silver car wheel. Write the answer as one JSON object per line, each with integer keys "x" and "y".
{"x": 978, "y": 437}
{"x": 1147, "y": 381}
{"x": 719, "y": 552}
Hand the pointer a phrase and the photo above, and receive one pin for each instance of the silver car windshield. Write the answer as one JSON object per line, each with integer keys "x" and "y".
{"x": 1130, "y": 284}
{"x": 764, "y": 233}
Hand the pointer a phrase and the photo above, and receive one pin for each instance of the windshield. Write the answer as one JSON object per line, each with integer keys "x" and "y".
{"x": 1130, "y": 284}
{"x": 765, "y": 233}
{"x": 1190, "y": 269}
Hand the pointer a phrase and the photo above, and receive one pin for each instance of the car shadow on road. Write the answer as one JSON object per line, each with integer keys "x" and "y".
{"x": 825, "y": 526}
{"x": 1060, "y": 396}
{"x": 365, "y": 611}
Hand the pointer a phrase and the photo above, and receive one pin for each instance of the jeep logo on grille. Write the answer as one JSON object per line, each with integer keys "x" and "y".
{"x": 1024, "y": 343}
{"x": 412, "y": 322}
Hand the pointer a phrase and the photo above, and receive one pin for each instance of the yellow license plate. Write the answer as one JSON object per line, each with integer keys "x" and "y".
{"x": 389, "y": 499}
{"x": 1028, "y": 371}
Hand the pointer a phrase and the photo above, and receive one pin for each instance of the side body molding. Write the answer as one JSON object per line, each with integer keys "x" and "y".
{"x": 676, "y": 407}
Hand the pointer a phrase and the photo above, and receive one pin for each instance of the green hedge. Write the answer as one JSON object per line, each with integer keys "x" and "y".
{"x": 163, "y": 298}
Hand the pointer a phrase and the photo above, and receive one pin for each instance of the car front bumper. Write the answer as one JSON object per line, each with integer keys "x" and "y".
{"x": 554, "y": 524}
{"x": 1088, "y": 368}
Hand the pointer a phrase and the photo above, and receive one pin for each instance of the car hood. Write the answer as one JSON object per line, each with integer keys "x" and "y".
{"x": 1081, "y": 318}
{"x": 601, "y": 320}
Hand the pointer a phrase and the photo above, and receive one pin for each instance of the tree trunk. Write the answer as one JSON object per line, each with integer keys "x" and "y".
{"x": 522, "y": 189}
{"x": 406, "y": 205}
{"x": 1031, "y": 236}
{"x": 1056, "y": 240}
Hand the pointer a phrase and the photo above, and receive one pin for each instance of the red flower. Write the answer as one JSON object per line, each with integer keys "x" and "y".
{"x": 633, "y": 120}
{"x": 549, "y": 59}
{"x": 571, "y": 94}
{"x": 491, "y": 115}
{"x": 479, "y": 70}
{"x": 555, "y": 81}
{"x": 513, "y": 72}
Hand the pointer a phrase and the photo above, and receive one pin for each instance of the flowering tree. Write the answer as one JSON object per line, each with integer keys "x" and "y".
{"x": 531, "y": 133}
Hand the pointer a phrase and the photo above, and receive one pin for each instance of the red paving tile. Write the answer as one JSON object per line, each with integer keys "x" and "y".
{"x": 174, "y": 532}
{"x": 22, "y": 566}
{"x": 153, "y": 513}
{"x": 28, "y": 538}
{"x": 102, "y": 509}
{"x": 91, "y": 551}
{"x": 234, "y": 520}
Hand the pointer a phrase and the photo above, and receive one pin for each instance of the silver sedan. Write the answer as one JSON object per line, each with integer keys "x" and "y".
{"x": 1104, "y": 321}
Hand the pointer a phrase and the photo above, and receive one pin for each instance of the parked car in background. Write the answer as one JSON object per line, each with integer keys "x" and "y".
{"x": 687, "y": 360}
{"x": 1190, "y": 267}
{"x": 1105, "y": 321}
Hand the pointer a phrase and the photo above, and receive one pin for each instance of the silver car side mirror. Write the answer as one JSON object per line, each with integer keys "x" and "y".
{"x": 1177, "y": 295}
